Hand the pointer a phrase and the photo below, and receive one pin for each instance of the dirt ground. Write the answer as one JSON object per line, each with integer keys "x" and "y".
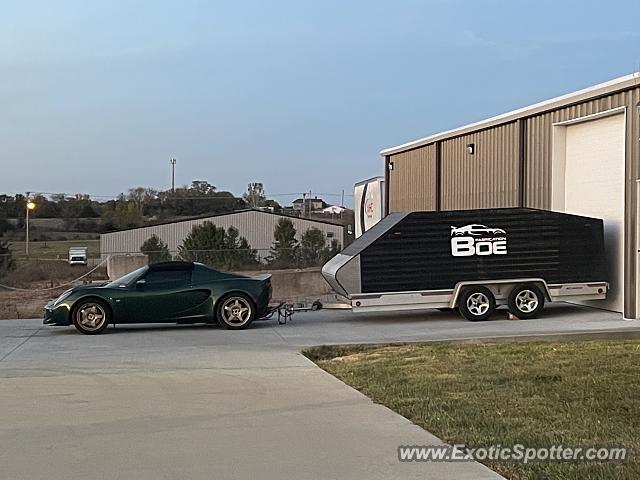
{"x": 38, "y": 282}
{"x": 20, "y": 304}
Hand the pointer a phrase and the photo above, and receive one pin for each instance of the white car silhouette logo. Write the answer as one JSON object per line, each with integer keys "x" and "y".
{"x": 476, "y": 229}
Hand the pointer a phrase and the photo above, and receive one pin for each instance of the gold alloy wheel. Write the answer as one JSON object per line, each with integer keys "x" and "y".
{"x": 91, "y": 316}
{"x": 236, "y": 311}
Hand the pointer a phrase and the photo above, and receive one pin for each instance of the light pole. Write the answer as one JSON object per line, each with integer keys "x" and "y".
{"x": 173, "y": 175}
{"x": 30, "y": 206}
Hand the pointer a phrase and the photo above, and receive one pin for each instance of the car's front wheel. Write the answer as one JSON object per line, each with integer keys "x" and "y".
{"x": 236, "y": 311}
{"x": 91, "y": 316}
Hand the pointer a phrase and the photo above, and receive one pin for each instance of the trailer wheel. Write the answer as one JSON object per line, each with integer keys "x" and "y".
{"x": 526, "y": 301}
{"x": 476, "y": 303}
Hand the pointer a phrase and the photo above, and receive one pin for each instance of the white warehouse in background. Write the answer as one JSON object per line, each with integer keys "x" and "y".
{"x": 369, "y": 204}
{"x": 256, "y": 226}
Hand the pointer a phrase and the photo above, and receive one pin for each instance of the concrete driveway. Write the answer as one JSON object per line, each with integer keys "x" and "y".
{"x": 149, "y": 402}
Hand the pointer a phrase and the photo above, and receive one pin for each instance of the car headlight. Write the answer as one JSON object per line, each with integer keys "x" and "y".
{"x": 62, "y": 297}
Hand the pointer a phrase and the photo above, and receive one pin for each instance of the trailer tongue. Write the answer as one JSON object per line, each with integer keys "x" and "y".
{"x": 474, "y": 260}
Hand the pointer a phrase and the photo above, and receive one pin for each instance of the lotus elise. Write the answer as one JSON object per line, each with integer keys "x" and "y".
{"x": 176, "y": 292}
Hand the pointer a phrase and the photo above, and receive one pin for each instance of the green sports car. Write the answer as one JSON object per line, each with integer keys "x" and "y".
{"x": 180, "y": 292}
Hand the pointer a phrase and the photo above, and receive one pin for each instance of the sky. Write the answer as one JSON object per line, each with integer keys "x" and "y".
{"x": 97, "y": 96}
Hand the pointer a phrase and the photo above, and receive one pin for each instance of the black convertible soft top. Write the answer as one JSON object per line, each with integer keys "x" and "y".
{"x": 171, "y": 266}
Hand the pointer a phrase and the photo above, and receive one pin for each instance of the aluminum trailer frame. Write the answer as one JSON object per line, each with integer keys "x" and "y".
{"x": 427, "y": 299}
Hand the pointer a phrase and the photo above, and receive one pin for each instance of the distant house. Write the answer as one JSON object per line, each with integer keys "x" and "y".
{"x": 309, "y": 204}
{"x": 333, "y": 210}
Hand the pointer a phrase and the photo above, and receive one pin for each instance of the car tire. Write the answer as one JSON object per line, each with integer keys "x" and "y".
{"x": 526, "y": 301}
{"x": 235, "y": 311}
{"x": 91, "y": 316}
{"x": 476, "y": 303}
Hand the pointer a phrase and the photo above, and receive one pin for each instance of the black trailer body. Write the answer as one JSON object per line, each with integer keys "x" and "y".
{"x": 442, "y": 251}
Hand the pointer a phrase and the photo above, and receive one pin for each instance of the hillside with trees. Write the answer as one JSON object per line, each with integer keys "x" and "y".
{"x": 139, "y": 206}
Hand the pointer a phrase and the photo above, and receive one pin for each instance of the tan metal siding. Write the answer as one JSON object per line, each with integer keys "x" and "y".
{"x": 256, "y": 227}
{"x": 538, "y": 170}
{"x": 540, "y": 141}
{"x": 412, "y": 182}
{"x": 489, "y": 177}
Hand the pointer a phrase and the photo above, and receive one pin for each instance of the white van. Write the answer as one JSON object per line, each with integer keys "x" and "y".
{"x": 77, "y": 255}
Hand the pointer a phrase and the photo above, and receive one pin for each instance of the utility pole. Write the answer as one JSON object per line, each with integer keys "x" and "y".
{"x": 342, "y": 203}
{"x": 304, "y": 204}
{"x": 173, "y": 175}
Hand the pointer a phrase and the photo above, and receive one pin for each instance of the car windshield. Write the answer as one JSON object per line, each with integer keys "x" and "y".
{"x": 127, "y": 279}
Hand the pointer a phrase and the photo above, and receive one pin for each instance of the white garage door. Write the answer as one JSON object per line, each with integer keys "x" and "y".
{"x": 594, "y": 186}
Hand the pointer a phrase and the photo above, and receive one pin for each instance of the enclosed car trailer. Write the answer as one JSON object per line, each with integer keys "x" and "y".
{"x": 473, "y": 260}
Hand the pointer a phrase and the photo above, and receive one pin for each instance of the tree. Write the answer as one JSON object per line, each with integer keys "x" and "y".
{"x": 332, "y": 250}
{"x": 272, "y": 205}
{"x": 6, "y": 258}
{"x": 141, "y": 197}
{"x": 314, "y": 250}
{"x": 240, "y": 254}
{"x": 205, "y": 244}
{"x": 202, "y": 188}
{"x": 312, "y": 247}
{"x": 200, "y": 198}
{"x": 285, "y": 246}
{"x": 125, "y": 214}
{"x": 211, "y": 245}
{"x": 155, "y": 249}
{"x": 255, "y": 195}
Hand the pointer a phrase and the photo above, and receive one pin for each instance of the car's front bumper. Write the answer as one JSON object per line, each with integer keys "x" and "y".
{"x": 56, "y": 315}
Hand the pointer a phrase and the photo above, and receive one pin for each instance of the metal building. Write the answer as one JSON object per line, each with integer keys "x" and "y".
{"x": 577, "y": 153}
{"x": 256, "y": 226}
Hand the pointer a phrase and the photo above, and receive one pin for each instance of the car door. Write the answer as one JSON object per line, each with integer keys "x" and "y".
{"x": 162, "y": 296}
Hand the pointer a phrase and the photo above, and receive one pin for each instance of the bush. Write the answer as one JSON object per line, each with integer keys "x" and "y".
{"x": 5, "y": 226}
{"x": 7, "y": 262}
{"x": 155, "y": 249}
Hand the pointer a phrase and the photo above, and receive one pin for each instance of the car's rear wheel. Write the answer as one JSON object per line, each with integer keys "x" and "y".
{"x": 91, "y": 316}
{"x": 236, "y": 311}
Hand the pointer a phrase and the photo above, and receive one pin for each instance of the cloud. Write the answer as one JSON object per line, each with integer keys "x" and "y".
{"x": 579, "y": 37}
{"x": 502, "y": 48}
{"x": 527, "y": 46}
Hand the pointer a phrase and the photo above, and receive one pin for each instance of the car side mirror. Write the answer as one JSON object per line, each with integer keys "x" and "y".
{"x": 141, "y": 283}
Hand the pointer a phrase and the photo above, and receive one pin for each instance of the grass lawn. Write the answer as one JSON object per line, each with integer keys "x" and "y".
{"x": 54, "y": 249}
{"x": 537, "y": 394}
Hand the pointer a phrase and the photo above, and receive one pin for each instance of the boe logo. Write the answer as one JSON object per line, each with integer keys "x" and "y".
{"x": 478, "y": 239}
